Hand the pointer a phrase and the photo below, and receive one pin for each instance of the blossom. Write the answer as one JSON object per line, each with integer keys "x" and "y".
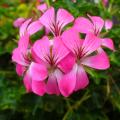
{"x": 23, "y": 58}
{"x": 56, "y": 65}
{"x": 83, "y": 50}
{"x": 105, "y": 2}
{"x": 18, "y": 22}
{"x": 24, "y": 62}
{"x": 30, "y": 27}
{"x": 55, "y": 58}
{"x": 55, "y": 23}
{"x": 108, "y": 24}
{"x": 42, "y": 7}
{"x": 94, "y": 25}
{"x": 74, "y": 1}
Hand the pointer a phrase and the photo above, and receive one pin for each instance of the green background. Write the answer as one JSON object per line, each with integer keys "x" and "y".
{"x": 101, "y": 99}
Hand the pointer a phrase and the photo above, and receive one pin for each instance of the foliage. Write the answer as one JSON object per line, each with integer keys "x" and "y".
{"x": 100, "y": 101}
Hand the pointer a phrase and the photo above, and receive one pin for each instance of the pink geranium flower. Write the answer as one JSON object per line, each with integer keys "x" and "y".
{"x": 22, "y": 56}
{"x": 77, "y": 78}
{"x": 93, "y": 25}
{"x": 55, "y": 58}
{"x": 55, "y": 23}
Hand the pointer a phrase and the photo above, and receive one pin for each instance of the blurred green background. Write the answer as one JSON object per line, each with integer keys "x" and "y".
{"x": 100, "y": 101}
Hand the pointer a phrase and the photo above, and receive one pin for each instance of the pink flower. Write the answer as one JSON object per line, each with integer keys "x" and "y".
{"x": 93, "y": 25}
{"x": 108, "y": 24}
{"x": 77, "y": 78}
{"x": 55, "y": 23}
{"x": 105, "y": 2}
{"x": 55, "y": 58}
{"x": 18, "y": 22}
{"x": 22, "y": 56}
{"x": 30, "y": 27}
{"x": 57, "y": 65}
{"x": 74, "y": 1}
{"x": 42, "y": 7}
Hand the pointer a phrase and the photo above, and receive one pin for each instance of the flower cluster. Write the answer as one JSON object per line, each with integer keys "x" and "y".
{"x": 55, "y": 64}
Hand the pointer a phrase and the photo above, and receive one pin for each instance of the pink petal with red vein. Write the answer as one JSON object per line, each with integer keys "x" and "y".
{"x": 38, "y": 87}
{"x": 48, "y": 19}
{"x": 81, "y": 79}
{"x": 23, "y": 43}
{"x": 99, "y": 61}
{"x": 59, "y": 50}
{"x": 83, "y": 25}
{"x": 34, "y": 27}
{"x": 90, "y": 44}
{"x": 63, "y": 18}
{"x": 18, "y": 57}
{"x": 41, "y": 48}
{"x": 71, "y": 40}
{"x": 38, "y": 72}
{"x": 107, "y": 42}
{"x": 98, "y": 22}
{"x": 23, "y": 27}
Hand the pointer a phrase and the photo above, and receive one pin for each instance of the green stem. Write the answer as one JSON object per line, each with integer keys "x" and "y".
{"x": 110, "y": 6}
{"x": 48, "y": 2}
{"x": 84, "y": 98}
{"x": 76, "y": 105}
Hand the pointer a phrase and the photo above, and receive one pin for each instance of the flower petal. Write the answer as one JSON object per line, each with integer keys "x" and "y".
{"x": 48, "y": 19}
{"x": 23, "y": 27}
{"x": 107, "y": 42}
{"x": 63, "y": 18}
{"x": 34, "y": 27}
{"x": 38, "y": 72}
{"x": 99, "y": 61}
{"x": 71, "y": 39}
{"x": 67, "y": 63}
{"x": 108, "y": 24}
{"x": 90, "y": 44}
{"x": 98, "y": 23}
{"x": 38, "y": 87}
{"x": 20, "y": 69}
{"x": 18, "y": 58}
{"x": 83, "y": 25}
{"x": 52, "y": 85}
{"x": 81, "y": 79}
{"x": 67, "y": 82}
{"x": 41, "y": 48}
{"x": 59, "y": 50}
{"x": 27, "y": 82}
{"x": 23, "y": 43}
{"x": 18, "y": 22}
{"x": 42, "y": 7}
